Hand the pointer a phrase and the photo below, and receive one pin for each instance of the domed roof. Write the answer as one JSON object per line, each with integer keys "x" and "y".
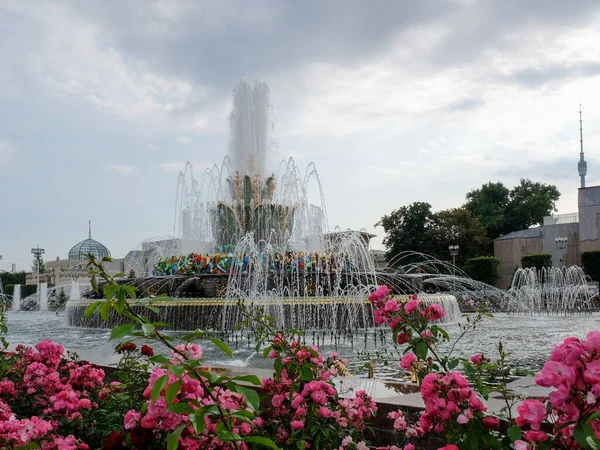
{"x": 81, "y": 249}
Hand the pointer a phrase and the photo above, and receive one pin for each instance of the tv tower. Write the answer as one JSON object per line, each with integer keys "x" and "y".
{"x": 582, "y": 165}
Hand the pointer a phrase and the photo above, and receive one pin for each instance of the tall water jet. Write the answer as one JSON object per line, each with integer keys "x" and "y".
{"x": 43, "y": 296}
{"x": 249, "y": 123}
{"x": 245, "y": 194}
{"x": 75, "y": 293}
{"x": 16, "y": 301}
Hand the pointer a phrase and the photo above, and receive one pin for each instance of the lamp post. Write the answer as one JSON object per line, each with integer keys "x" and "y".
{"x": 561, "y": 244}
{"x": 453, "y": 251}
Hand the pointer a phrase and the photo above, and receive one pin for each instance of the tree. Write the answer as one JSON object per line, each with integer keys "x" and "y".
{"x": 416, "y": 228}
{"x": 407, "y": 228}
{"x": 456, "y": 226}
{"x": 529, "y": 202}
{"x": 502, "y": 211}
{"x": 13, "y": 277}
{"x": 38, "y": 262}
{"x": 488, "y": 204}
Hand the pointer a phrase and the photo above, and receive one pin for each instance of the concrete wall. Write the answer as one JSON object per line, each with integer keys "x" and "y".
{"x": 569, "y": 256}
{"x": 589, "y": 218}
{"x": 509, "y": 252}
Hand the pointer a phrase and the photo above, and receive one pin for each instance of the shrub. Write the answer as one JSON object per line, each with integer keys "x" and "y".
{"x": 591, "y": 264}
{"x": 484, "y": 269}
{"x": 536, "y": 261}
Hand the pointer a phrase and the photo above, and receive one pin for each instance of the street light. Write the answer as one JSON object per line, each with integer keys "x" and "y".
{"x": 561, "y": 244}
{"x": 453, "y": 251}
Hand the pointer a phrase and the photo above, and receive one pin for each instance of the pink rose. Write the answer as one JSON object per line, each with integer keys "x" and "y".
{"x": 297, "y": 424}
{"x": 411, "y": 306}
{"x": 491, "y": 422}
{"x": 531, "y": 412}
{"x": 407, "y": 361}
{"x": 131, "y": 419}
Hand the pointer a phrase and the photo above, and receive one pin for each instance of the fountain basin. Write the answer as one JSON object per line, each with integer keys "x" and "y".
{"x": 218, "y": 313}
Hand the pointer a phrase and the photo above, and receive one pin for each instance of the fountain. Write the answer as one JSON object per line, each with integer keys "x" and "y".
{"x": 244, "y": 232}
{"x": 554, "y": 290}
{"x": 16, "y": 300}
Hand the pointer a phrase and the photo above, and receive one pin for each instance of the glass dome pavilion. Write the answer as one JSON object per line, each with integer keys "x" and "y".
{"x": 81, "y": 249}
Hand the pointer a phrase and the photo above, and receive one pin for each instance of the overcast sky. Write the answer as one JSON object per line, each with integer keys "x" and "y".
{"x": 102, "y": 103}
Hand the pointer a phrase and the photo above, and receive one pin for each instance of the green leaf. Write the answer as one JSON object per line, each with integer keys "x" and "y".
{"x": 107, "y": 259}
{"x": 223, "y": 346}
{"x": 159, "y": 385}
{"x": 514, "y": 433}
{"x": 154, "y": 309}
{"x": 94, "y": 282}
{"x": 105, "y": 310}
{"x": 250, "y": 395}
{"x": 225, "y": 435}
{"x": 453, "y": 363}
{"x": 92, "y": 309}
{"x": 444, "y": 333}
{"x": 248, "y": 378}
{"x": 110, "y": 291}
{"x": 266, "y": 442}
{"x": 120, "y": 305}
{"x": 120, "y": 331}
{"x": 266, "y": 351}
{"x": 421, "y": 350}
{"x": 593, "y": 416}
{"x": 584, "y": 435}
{"x": 307, "y": 374}
{"x": 131, "y": 291}
{"x": 173, "y": 439}
{"x": 197, "y": 422}
{"x": 244, "y": 413}
{"x": 160, "y": 359}
{"x": 176, "y": 370}
{"x": 172, "y": 391}
{"x": 181, "y": 408}
{"x": 148, "y": 329}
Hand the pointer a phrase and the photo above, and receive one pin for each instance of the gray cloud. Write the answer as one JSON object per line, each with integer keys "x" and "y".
{"x": 556, "y": 169}
{"x": 538, "y": 77}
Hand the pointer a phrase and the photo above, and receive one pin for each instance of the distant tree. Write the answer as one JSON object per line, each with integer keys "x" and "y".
{"x": 488, "y": 204}
{"x": 416, "y": 228}
{"x": 13, "y": 277}
{"x": 456, "y": 226}
{"x": 502, "y": 211}
{"x": 529, "y": 202}
{"x": 407, "y": 228}
{"x": 38, "y": 261}
{"x": 61, "y": 298}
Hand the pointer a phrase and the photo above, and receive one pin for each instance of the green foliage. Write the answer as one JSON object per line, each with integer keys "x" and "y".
{"x": 38, "y": 262}
{"x": 536, "y": 260}
{"x": 591, "y": 264}
{"x": 484, "y": 269}
{"x": 13, "y": 278}
{"x": 502, "y": 211}
{"x": 407, "y": 228}
{"x": 417, "y": 228}
{"x": 26, "y": 289}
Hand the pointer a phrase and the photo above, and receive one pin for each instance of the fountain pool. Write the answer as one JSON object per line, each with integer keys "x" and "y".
{"x": 530, "y": 339}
